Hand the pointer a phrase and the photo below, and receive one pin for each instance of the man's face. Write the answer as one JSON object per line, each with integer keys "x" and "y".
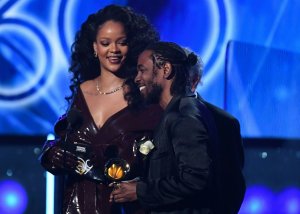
{"x": 148, "y": 78}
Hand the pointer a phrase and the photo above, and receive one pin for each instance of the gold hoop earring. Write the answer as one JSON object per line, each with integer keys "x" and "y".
{"x": 95, "y": 54}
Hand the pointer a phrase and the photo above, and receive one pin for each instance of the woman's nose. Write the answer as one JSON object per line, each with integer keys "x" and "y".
{"x": 114, "y": 48}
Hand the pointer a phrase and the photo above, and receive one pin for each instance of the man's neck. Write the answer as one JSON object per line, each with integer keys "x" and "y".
{"x": 165, "y": 99}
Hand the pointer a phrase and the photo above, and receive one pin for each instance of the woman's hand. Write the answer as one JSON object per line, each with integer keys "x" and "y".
{"x": 62, "y": 159}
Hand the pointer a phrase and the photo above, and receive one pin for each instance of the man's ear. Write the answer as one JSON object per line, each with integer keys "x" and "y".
{"x": 167, "y": 68}
{"x": 195, "y": 82}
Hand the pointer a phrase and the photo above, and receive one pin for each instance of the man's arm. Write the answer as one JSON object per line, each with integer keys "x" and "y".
{"x": 190, "y": 144}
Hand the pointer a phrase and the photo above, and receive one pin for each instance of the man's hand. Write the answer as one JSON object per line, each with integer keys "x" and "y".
{"x": 124, "y": 192}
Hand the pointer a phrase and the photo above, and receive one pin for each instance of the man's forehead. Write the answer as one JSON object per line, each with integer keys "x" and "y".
{"x": 145, "y": 54}
{"x": 145, "y": 57}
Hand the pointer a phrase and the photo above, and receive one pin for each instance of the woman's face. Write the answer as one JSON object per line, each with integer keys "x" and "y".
{"x": 111, "y": 46}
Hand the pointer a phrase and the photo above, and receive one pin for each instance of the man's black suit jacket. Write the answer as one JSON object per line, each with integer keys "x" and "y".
{"x": 232, "y": 159}
{"x": 181, "y": 175}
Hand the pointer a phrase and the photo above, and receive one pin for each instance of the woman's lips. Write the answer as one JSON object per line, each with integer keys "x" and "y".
{"x": 114, "y": 59}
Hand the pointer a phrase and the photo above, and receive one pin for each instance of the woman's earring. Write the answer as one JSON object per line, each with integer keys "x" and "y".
{"x": 95, "y": 54}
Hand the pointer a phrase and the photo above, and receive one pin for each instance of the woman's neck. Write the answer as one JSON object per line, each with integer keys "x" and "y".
{"x": 108, "y": 81}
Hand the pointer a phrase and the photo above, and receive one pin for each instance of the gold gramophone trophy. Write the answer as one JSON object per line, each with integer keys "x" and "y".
{"x": 116, "y": 170}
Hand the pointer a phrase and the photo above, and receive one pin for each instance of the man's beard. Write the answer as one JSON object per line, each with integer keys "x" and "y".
{"x": 153, "y": 97}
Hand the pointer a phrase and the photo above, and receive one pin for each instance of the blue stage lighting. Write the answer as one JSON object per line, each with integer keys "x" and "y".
{"x": 288, "y": 201}
{"x": 258, "y": 200}
{"x": 13, "y": 197}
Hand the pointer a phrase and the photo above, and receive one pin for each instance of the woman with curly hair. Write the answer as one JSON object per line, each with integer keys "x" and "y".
{"x": 105, "y": 118}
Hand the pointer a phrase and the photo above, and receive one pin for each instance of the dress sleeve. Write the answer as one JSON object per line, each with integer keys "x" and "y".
{"x": 45, "y": 157}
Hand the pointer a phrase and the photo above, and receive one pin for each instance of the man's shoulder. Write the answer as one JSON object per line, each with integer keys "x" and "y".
{"x": 189, "y": 105}
{"x": 218, "y": 112}
{"x": 182, "y": 107}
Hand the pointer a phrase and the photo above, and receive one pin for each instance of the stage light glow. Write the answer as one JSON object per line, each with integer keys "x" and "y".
{"x": 50, "y": 136}
{"x": 258, "y": 200}
{"x": 13, "y": 197}
{"x": 50, "y": 185}
{"x": 288, "y": 201}
{"x": 215, "y": 70}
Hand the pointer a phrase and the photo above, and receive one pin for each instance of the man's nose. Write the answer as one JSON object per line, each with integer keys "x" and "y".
{"x": 137, "y": 78}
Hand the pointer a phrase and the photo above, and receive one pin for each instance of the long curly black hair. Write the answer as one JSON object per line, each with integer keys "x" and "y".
{"x": 84, "y": 66}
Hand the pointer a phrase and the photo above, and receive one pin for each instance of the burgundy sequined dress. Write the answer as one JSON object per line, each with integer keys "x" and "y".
{"x": 115, "y": 138}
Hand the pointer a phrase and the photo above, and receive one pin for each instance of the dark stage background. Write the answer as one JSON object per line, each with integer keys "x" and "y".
{"x": 251, "y": 53}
